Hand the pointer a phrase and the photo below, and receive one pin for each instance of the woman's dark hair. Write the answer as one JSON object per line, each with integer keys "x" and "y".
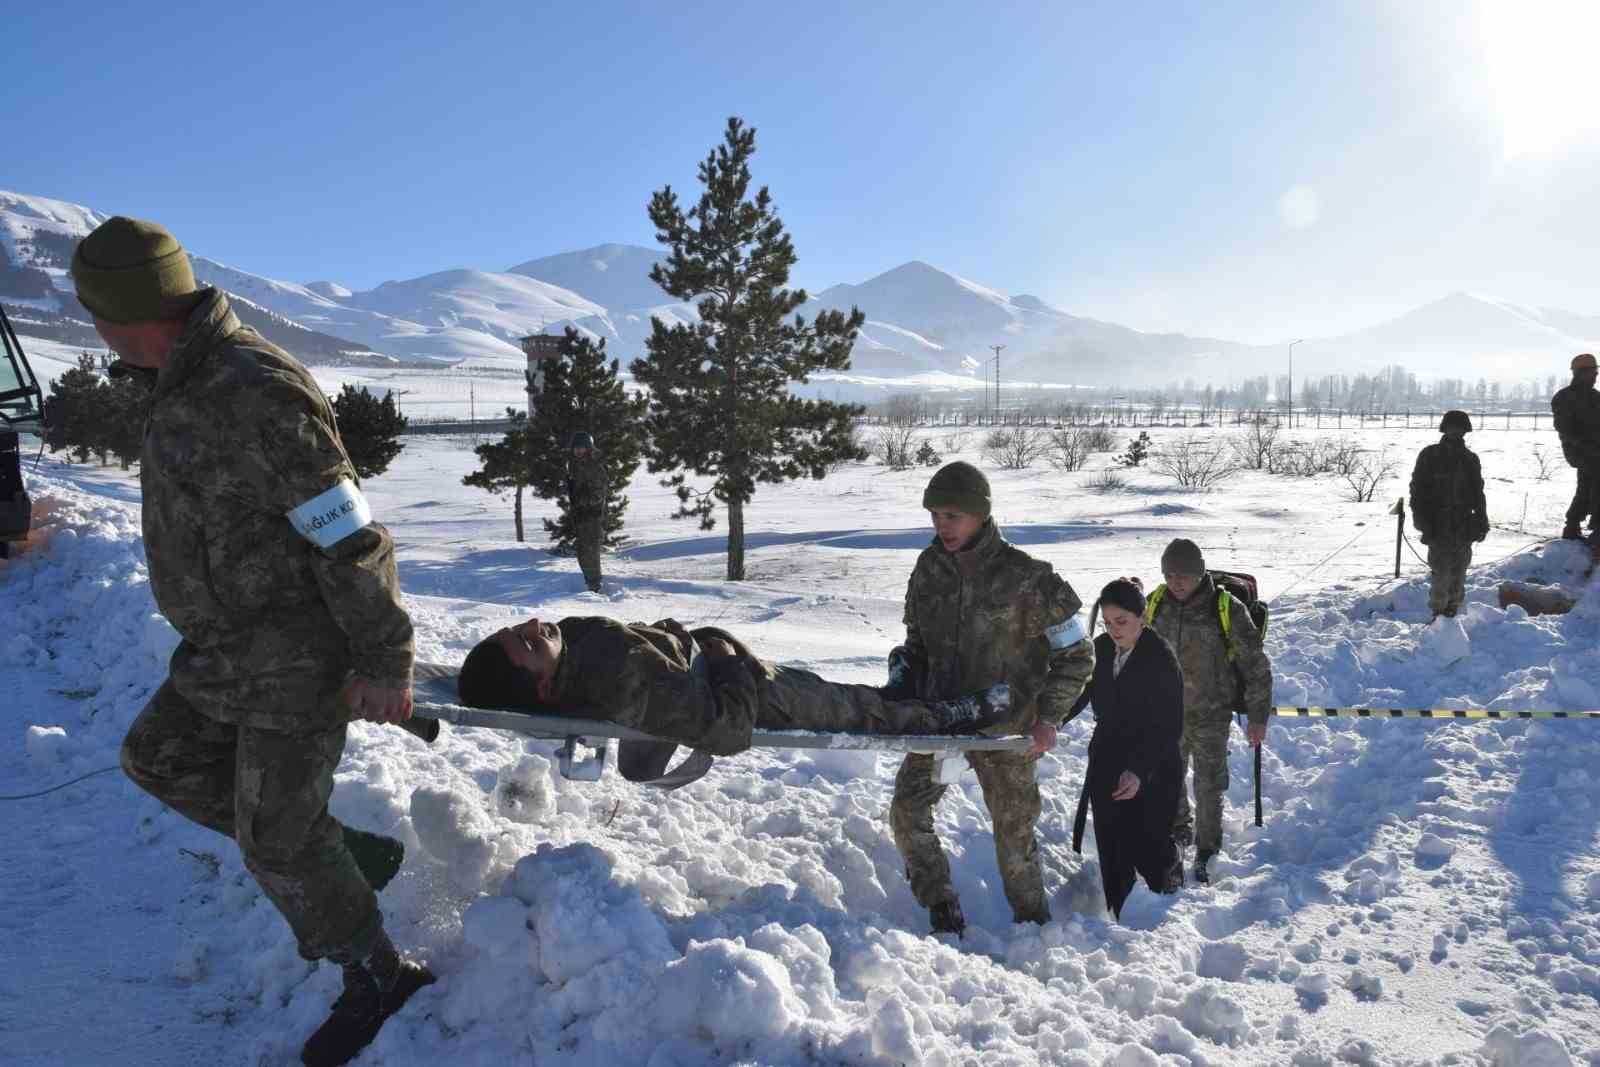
{"x": 490, "y": 680}
{"x": 1125, "y": 594}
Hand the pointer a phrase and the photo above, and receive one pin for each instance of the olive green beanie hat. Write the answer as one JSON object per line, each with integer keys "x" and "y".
{"x": 960, "y": 487}
{"x": 1183, "y": 556}
{"x": 129, "y": 270}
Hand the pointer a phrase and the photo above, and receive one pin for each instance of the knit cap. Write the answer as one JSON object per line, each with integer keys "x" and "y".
{"x": 1183, "y": 557}
{"x": 129, "y": 270}
{"x": 958, "y": 486}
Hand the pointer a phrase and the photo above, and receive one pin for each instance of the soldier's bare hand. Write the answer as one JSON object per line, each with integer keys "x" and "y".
{"x": 376, "y": 703}
{"x": 1255, "y": 733}
{"x": 1127, "y": 786}
{"x": 1044, "y": 738}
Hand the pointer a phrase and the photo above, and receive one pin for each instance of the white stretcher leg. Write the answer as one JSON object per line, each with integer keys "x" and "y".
{"x": 947, "y": 768}
{"x": 575, "y": 762}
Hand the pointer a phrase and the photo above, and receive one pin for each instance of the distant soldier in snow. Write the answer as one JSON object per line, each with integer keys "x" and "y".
{"x": 587, "y": 490}
{"x": 1577, "y": 416}
{"x": 980, "y": 611}
{"x": 264, "y": 557}
{"x": 1225, "y": 670}
{"x": 1448, "y": 509}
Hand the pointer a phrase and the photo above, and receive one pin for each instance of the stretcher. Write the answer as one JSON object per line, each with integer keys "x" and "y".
{"x": 642, "y": 757}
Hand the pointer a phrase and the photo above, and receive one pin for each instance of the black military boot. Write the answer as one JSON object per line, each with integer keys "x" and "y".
{"x": 1202, "y": 876}
{"x": 374, "y": 989}
{"x": 974, "y": 712}
{"x": 1572, "y": 532}
{"x": 946, "y": 918}
{"x": 378, "y": 856}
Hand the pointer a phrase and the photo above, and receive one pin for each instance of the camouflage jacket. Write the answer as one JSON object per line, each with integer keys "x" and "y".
{"x": 1447, "y": 502}
{"x": 995, "y": 614}
{"x": 638, "y": 675}
{"x": 262, "y": 552}
{"x": 1577, "y": 418}
{"x": 1210, "y": 686}
{"x": 587, "y": 486}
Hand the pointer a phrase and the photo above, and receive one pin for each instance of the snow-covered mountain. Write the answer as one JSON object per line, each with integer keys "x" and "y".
{"x": 1465, "y": 335}
{"x": 921, "y": 321}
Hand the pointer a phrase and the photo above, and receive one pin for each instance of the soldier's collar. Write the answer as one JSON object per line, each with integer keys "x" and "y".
{"x": 210, "y": 320}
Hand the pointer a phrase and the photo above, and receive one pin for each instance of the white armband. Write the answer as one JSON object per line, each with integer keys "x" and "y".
{"x": 1065, "y": 634}
{"x": 330, "y": 517}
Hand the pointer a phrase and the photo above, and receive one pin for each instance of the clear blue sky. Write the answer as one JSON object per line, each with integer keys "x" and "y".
{"x": 1250, "y": 170}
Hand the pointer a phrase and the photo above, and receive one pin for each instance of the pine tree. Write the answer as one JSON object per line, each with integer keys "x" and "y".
{"x": 126, "y": 404}
{"x": 74, "y": 411}
{"x": 503, "y": 465}
{"x": 370, "y": 429}
{"x": 720, "y": 406}
{"x": 582, "y": 392}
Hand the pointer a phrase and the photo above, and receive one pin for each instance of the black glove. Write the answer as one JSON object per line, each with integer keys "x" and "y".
{"x": 903, "y": 682}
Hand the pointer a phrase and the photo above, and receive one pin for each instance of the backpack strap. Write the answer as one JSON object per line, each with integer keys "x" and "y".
{"x": 1225, "y": 620}
{"x": 1153, "y": 602}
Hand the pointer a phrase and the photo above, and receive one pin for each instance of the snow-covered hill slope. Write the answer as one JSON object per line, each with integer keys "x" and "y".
{"x": 1421, "y": 893}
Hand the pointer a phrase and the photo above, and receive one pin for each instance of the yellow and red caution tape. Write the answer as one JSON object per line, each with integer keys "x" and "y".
{"x": 1429, "y": 713}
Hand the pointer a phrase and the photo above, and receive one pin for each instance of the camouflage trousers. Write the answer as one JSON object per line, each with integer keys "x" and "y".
{"x": 1011, "y": 793}
{"x": 1204, "y": 744}
{"x": 1448, "y": 563}
{"x": 801, "y": 700}
{"x": 589, "y": 537}
{"x": 1585, "y": 499}
{"x": 268, "y": 790}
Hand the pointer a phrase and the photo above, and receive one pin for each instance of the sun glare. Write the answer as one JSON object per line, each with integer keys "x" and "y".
{"x": 1541, "y": 71}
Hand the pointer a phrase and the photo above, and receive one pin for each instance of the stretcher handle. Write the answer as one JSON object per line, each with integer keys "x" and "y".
{"x": 421, "y": 727}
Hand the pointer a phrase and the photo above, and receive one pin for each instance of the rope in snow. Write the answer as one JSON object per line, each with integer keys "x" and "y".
{"x": 1359, "y": 535}
{"x": 1431, "y": 713}
{"x": 63, "y": 785}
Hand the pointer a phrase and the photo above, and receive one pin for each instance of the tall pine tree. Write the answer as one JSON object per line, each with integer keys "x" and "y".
{"x": 503, "y": 465}
{"x": 582, "y": 392}
{"x": 720, "y": 405}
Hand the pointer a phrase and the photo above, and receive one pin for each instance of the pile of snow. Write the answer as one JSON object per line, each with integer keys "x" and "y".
{"x": 1421, "y": 891}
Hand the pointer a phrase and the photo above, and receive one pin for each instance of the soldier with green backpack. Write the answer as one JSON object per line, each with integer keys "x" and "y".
{"x": 1215, "y": 624}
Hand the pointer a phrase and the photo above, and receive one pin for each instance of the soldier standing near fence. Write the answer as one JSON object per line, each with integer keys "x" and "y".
{"x": 1448, "y": 510}
{"x": 587, "y": 489}
{"x": 1577, "y": 416}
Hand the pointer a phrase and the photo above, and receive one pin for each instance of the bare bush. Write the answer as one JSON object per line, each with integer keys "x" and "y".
{"x": 956, "y": 441}
{"x": 1017, "y": 448}
{"x": 1343, "y": 455}
{"x": 1194, "y": 461}
{"x": 1068, "y": 449}
{"x": 1369, "y": 471}
{"x": 858, "y": 439}
{"x": 1255, "y": 448}
{"x": 1545, "y": 463}
{"x": 1099, "y": 439}
{"x": 1107, "y": 481}
{"x": 893, "y": 447}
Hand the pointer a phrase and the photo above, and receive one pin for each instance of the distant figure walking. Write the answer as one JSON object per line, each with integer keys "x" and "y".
{"x": 1577, "y": 411}
{"x": 587, "y": 489}
{"x": 1448, "y": 509}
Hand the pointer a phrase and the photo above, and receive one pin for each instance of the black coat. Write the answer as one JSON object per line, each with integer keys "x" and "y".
{"x": 1138, "y": 721}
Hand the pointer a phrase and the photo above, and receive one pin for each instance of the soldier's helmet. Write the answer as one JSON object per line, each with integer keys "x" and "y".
{"x": 1455, "y": 422}
{"x": 581, "y": 439}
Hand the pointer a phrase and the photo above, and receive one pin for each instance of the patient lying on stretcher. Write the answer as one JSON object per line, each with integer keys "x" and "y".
{"x": 702, "y": 688}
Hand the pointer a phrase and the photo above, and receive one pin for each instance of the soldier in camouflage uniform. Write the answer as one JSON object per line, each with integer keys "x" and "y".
{"x": 1448, "y": 510}
{"x": 648, "y": 677}
{"x": 1186, "y": 612}
{"x": 1576, "y": 407}
{"x": 264, "y": 557}
{"x": 980, "y": 611}
{"x": 587, "y": 489}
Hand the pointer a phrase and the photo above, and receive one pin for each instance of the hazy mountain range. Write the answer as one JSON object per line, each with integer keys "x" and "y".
{"x": 921, "y": 320}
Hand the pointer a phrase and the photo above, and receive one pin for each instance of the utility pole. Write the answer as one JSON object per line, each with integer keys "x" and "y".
{"x": 996, "y": 349}
{"x": 1291, "y": 379}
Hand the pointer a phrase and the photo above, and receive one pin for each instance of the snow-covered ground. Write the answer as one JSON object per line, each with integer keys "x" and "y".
{"x": 1420, "y": 893}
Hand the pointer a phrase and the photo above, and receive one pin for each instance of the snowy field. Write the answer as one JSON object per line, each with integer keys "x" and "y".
{"x": 1420, "y": 893}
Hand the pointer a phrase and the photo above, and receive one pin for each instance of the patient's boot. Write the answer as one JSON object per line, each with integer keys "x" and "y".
{"x": 973, "y": 712}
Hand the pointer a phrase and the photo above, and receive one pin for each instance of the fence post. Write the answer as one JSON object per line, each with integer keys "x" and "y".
{"x": 1399, "y": 511}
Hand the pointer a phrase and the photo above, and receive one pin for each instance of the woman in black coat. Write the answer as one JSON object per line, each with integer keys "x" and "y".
{"x": 1135, "y": 771}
